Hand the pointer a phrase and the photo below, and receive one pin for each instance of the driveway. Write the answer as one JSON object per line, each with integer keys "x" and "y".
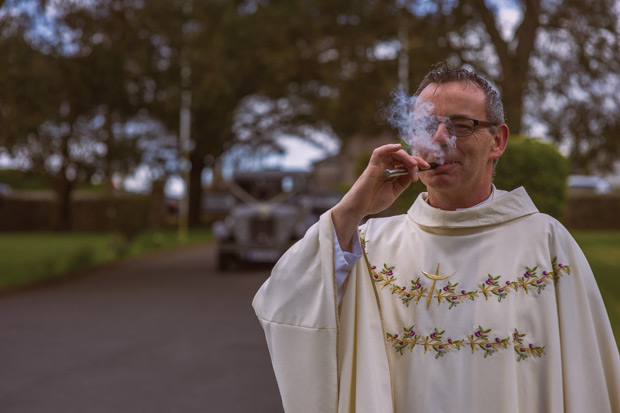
{"x": 165, "y": 333}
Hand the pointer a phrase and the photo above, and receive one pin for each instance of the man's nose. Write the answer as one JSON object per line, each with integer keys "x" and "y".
{"x": 441, "y": 134}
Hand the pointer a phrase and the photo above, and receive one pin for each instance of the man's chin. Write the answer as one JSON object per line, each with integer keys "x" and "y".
{"x": 439, "y": 182}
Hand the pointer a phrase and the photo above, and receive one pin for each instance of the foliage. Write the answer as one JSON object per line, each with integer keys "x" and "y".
{"x": 79, "y": 112}
{"x": 130, "y": 217}
{"x": 537, "y": 166}
{"x": 577, "y": 62}
{"x": 19, "y": 179}
{"x": 557, "y": 68}
{"x": 110, "y": 65}
{"x": 475, "y": 34}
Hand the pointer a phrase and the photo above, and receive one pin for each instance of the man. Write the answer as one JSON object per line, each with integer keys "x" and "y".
{"x": 473, "y": 301}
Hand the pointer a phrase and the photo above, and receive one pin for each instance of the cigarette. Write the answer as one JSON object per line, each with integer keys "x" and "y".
{"x": 389, "y": 173}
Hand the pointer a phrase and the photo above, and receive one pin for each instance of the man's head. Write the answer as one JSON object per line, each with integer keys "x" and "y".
{"x": 446, "y": 74}
{"x": 462, "y": 96}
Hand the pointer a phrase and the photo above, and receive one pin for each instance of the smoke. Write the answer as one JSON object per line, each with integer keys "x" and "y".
{"x": 416, "y": 127}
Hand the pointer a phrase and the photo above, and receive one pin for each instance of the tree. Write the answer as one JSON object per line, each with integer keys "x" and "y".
{"x": 278, "y": 50}
{"x": 553, "y": 70}
{"x": 76, "y": 123}
{"x": 203, "y": 48}
{"x": 574, "y": 91}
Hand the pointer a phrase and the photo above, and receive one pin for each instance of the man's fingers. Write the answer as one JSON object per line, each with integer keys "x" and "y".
{"x": 422, "y": 164}
{"x": 385, "y": 151}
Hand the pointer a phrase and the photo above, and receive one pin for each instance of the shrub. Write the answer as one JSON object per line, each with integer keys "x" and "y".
{"x": 82, "y": 257}
{"x": 538, "y": 167}
{"x": 22, "y": 179}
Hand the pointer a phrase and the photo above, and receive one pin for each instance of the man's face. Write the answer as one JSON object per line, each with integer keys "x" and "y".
{"x": 467, "y": 171}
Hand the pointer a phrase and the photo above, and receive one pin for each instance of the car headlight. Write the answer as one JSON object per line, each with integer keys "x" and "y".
{"x": 221, "y": 230}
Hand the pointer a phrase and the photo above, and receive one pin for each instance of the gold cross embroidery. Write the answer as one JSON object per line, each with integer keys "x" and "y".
{"x": 434, "y": 277}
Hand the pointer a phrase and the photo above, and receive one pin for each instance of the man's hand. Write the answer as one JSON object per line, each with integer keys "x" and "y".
{"x": 373, "y": 192}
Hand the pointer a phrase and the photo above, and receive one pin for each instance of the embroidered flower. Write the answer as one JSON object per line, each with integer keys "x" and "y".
{"x": 489, "y": 287}
{"x": 479, "y": 340}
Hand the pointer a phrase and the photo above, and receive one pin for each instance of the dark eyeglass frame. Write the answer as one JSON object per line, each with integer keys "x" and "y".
{"x": 438, "y": 120}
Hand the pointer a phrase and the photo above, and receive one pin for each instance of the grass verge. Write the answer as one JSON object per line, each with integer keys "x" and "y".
{"x": 28, "y": 258}
{"x": 602, "y": 248}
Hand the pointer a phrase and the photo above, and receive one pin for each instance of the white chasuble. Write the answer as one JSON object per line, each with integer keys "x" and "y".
{"x": 493, "y": 308}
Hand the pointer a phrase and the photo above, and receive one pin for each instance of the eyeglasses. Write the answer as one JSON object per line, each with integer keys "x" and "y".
{"x": 458, "y": 127}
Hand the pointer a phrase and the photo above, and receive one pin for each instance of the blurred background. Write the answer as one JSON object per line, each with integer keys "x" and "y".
{"x": 132, "y": 128}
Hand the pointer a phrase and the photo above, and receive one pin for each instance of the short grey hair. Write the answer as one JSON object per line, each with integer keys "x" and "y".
{"x": 442, "y": 73}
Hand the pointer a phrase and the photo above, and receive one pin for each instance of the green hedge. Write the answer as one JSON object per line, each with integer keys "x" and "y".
{"x": 18, "y": 179}
{"x": 540, "y": 168}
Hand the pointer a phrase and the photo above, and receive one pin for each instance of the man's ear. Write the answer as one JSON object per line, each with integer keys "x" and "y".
{"x": 500, "y": 140}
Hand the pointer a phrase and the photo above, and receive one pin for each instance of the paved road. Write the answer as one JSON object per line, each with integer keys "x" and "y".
{"x": 163, "y": 334}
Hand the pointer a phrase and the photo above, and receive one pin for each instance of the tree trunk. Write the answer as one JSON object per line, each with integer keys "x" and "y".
{"x": 514, "y": 61}
{"x": 195, "y": 192}
{"x": 62, "y": 217}
{"x": 512, "y": 96}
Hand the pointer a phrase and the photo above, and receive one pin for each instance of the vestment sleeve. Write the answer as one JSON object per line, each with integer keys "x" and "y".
{"x": 297, "y": 309}
{"x": 590, "y": 360}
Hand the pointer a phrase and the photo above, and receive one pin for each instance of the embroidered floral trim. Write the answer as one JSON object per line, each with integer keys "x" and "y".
{"x": 363, "y": 240}
{"x": 490, "y": 287}
{"x": 478, "y": 340}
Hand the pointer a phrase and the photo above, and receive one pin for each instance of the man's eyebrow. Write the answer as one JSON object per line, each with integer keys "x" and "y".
{"x": 459, "y": 116}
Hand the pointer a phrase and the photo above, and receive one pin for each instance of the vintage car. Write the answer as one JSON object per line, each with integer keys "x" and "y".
{"x": 272, "y": 211}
